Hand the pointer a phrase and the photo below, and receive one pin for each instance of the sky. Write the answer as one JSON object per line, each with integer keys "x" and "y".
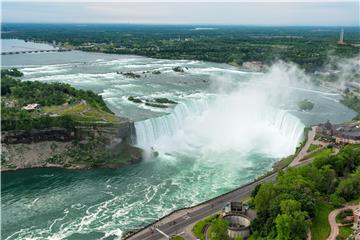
{"x": 305, "y": 13}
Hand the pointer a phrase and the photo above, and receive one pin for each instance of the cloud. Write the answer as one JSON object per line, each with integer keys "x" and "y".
{"x": 245, "y": 13}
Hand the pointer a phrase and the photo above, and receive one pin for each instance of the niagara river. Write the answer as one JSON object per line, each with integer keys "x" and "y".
{"x": 210, "y": 142}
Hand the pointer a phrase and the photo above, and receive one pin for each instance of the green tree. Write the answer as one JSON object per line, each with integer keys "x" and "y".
{"x": 218, "y": 229}
{"x": 349, "y": 188}
{"x": 292, "y": 224}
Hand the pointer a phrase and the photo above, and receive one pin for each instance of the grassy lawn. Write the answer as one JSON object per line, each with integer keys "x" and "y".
{"x": 320, "y": 228}
{"x": 313, "y": 147}
{"x": 82, "y": 112}
{"x": 177, "y": 238}
{"x": 345, "y": 231}
{"x": 199, "y": 226}
{"x": 323, "y": 153}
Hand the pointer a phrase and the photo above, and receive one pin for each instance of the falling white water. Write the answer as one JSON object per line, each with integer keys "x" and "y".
{"x": 241, "y": 119}
{"x": 193, "y": 125}
{"x": 149, "y": 131}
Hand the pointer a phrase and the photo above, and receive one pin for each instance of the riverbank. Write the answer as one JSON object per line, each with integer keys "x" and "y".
{"x": 60, "y": 126}
{"x": 83, "y": 147}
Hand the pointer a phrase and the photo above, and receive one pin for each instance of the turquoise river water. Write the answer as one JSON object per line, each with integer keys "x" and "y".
{"x": 228, "y": 128}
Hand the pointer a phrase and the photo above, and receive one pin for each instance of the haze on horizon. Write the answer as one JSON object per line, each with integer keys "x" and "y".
{"x": 320, "y": 13}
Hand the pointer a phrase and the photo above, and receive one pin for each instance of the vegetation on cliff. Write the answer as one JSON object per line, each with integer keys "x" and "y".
{"x": 54, "y": 104}
{"x": 352, "y": 101}
{"x": 288, "y": 207}
{"x": 95, "y": 153}
{"x": 90, "y": 136}
{"x": 14, "y": 72}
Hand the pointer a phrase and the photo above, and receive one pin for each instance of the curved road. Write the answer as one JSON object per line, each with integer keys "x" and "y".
{"x": 178, "y": 222}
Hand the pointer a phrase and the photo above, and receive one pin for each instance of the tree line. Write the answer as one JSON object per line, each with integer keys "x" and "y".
{"x": 16, "y": 93}
{"x": 285, "y": 209}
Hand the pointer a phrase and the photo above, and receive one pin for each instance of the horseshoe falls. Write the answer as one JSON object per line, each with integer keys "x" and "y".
{"x": 175, "y": 131}
{"x": 228, "y": 128}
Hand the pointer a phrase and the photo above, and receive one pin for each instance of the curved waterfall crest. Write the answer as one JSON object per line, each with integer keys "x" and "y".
{"x": 150, "y": 131}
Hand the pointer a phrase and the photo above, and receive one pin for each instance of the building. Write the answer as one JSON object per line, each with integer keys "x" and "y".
{"x": 325, "y": 129}
{"x": 357, "y": 219}
{"x": 349, "y": 133}
{"x": 31, "y": 107}
{"x": 235, "y": 207}
{"x": 340, "y": 133}
{"x": 239, "y": 223}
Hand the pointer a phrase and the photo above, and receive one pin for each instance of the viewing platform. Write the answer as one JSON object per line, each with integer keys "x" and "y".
{"x": 35, "y": 51}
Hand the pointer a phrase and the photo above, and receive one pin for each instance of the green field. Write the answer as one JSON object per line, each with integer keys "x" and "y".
{"x": 320, "y": 228}
{"x": 82, "y": 112}
{"x": 58, "y": 104}
{"x": 313, "y": 147}
{"x": 177, "y": 238}
{"x": 345, "y": 232}
{"x": 323, "y": 153}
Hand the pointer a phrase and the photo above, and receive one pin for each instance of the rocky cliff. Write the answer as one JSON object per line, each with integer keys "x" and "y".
{"x": 84, "y": 146}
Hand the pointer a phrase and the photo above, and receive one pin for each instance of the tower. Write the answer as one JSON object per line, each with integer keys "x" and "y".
{"x": 341, "y": 40}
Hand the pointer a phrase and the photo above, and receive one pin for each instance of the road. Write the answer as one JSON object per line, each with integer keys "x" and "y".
{"x": 332, "y": 220}
{"x": 180, "y": 221}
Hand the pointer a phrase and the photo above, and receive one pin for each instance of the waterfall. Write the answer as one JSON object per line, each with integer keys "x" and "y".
{"x": 150, "y": 130}
{"x": 277, "y": 127}
{"x": 287, "y": 124}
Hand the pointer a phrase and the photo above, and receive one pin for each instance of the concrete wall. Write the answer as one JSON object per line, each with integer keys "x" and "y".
{"x": 239, "y": 225}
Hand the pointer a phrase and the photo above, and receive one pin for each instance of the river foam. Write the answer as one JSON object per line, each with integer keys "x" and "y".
{"x": 227, "y": 129}
{"x": 244, "y": 120}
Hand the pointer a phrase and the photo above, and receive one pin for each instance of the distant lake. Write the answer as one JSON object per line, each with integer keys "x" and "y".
{"x": 14, "y": 45}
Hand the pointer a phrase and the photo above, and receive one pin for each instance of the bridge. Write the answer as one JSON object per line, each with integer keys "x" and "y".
{"x": 35, "y": 51}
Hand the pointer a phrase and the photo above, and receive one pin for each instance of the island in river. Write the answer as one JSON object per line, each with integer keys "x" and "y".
{"x": 56, "y": 125}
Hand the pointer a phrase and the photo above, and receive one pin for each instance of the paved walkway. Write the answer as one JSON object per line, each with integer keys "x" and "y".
{"x": 332, "y": 220}
{"x": 181, "y": 221}
{"x": 304, "y": 151}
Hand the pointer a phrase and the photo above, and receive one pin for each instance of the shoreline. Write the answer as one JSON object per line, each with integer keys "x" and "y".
{"x": 74, "y": 167}
{"x": 75, "y": 48}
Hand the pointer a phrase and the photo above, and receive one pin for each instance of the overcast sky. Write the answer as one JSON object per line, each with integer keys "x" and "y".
{"x": 243, "y": 13}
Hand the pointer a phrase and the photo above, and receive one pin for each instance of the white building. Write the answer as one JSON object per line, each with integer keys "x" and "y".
{"x": 31, "y": 107}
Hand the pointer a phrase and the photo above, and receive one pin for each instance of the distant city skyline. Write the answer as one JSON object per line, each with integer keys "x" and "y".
{"x": 321, "y": 13}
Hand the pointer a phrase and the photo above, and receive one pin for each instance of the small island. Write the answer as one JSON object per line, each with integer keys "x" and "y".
{"x": 155, "y": 102}
{"x": 305, "y": 105}
{"x": 56, "y": 125}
